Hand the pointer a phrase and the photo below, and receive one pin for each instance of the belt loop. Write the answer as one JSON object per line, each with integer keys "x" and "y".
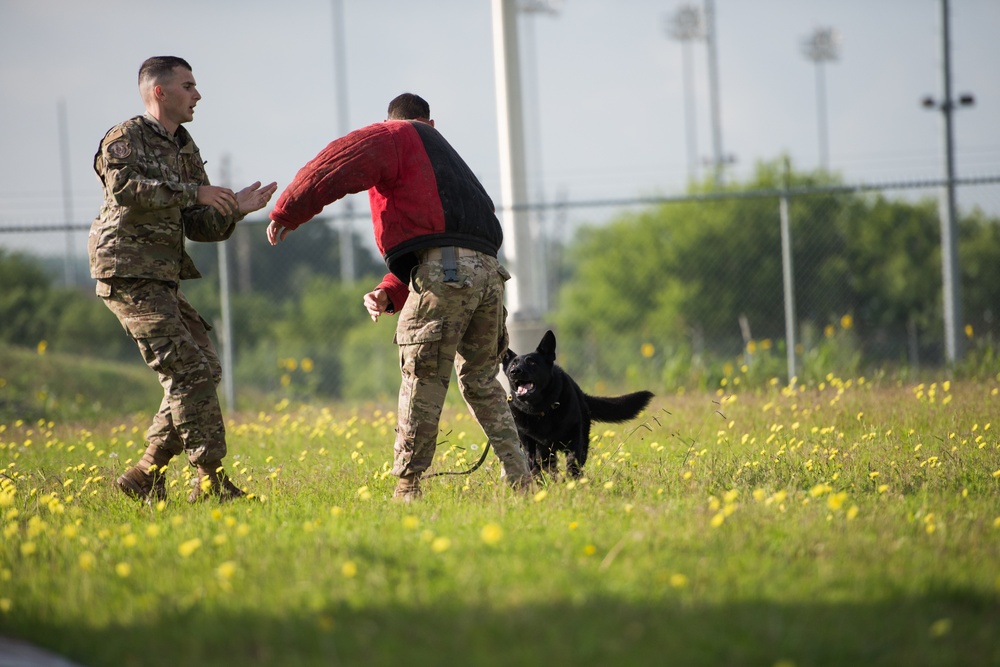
{"x": 449, "y": 264}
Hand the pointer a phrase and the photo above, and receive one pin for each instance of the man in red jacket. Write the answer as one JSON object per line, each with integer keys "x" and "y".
{"x": 438, "y": 232}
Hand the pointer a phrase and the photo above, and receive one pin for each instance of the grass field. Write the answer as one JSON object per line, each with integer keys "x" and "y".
{"x": 843, "y": 524}
{"x": 35, "y": 383}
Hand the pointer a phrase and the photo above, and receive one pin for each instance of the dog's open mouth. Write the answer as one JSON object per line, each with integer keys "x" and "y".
{"x": 524, "y": 389}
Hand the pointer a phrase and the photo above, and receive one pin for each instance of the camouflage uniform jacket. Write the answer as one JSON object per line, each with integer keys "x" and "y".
{"x": 151, "y": 182}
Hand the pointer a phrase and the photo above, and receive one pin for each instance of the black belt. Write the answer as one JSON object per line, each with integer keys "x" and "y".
{"x": 449, "y": 259}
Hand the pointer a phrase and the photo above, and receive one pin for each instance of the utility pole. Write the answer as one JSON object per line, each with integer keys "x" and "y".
{"x": 950, "y": 273}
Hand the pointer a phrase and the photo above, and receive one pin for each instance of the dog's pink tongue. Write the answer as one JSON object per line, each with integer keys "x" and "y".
{"x": 524, "y": 389}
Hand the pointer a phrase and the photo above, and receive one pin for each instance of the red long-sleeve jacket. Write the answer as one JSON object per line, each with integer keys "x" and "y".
{"x": 422, "y": 195}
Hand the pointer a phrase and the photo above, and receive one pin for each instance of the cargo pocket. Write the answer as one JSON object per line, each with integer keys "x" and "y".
{"x": 419, "y": 347}
{"x": 159, "y": 352}
{"x": 151, "y": 325}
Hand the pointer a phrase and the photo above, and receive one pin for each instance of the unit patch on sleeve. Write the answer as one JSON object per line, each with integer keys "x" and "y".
{"x": 119, "y": 149}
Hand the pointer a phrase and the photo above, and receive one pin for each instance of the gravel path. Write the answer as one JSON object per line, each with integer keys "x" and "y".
{"x": 16, "y": 653}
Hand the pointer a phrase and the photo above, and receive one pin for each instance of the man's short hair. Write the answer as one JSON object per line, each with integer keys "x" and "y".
{"x": 159, "y": 68}
{"x": 409, "y": 107}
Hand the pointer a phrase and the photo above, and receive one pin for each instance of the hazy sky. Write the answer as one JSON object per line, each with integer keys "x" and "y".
{"x": 605, "y": 105}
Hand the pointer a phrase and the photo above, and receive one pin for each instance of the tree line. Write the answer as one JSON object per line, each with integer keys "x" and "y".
{"x": 671, "y": 294}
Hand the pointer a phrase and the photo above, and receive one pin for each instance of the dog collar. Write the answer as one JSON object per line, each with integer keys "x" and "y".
{"x": 540, "y": 413}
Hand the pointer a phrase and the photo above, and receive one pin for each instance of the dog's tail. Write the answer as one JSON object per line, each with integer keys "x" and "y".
{"x": 616, "y": 409}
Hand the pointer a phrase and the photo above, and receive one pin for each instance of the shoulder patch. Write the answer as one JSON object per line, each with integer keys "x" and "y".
{"x": 119, "y": 149}
{"x": 115, "y": 132}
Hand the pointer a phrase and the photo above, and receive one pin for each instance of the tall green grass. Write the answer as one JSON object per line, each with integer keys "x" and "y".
{"x": 38, "y": 383}
{"x": 841, "y": 524}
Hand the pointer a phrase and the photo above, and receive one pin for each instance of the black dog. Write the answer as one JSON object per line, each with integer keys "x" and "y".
{"x": 553, "y": 414}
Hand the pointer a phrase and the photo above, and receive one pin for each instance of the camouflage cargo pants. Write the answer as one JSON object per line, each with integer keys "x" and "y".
{"x": 459, "y": 325}
{"x": 174, "y": 342}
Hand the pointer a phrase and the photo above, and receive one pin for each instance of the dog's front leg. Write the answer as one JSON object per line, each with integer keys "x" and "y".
{"x": 572, "y": 464}
{"x": 531, "y": 449}
{"x": 549, "y": 460}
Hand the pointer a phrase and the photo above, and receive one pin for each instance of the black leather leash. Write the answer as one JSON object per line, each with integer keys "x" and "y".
{"x": 471, "y": 470}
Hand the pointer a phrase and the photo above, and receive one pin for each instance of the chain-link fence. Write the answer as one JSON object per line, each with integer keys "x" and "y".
{"x": 801, "y": 282}
{"x": 699, "y": 291}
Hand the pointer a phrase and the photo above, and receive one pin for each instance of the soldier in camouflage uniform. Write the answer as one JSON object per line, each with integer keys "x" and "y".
{"x": 436, "y": 227}
{"x": 156, "y": 194}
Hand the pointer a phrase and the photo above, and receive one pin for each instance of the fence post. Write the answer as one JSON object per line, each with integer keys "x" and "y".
{"x": 226, "y": 335}
{"x": 788, "y": 275}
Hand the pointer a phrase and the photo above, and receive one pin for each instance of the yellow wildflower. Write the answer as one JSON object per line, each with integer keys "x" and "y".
{"x": 491, "y": 533}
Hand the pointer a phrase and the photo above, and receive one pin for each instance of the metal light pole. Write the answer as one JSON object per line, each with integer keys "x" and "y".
{"x": 524, "y": 291}
{"x": 686, "y": 25}
{"x": 67, "y": 193}
{"x": 713, "y": 88}
{"x": 950, "y": 274}
{"x": 340, "y": 70}
{"x": 533, "y": 8}
{"x": 821, "y": 47}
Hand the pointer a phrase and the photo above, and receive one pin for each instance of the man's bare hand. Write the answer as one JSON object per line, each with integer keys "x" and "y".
{"x": 376, "y": 302}
{"x": 254, "y": 197}
{"x": 276, "y": 232}
{"x": 221, "y": 199}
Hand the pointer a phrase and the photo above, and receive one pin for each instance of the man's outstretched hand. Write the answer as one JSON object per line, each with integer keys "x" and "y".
{"x": 254, "y": 197}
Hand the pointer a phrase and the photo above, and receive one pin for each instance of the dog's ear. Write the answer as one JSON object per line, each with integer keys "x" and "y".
{"x": 547, "y": 348}
{"x": 508, "y": 357}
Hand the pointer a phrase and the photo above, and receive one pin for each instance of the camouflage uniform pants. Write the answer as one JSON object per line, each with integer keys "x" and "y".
{"x": 459, "y": 325}
{"x": 174, "y": 342}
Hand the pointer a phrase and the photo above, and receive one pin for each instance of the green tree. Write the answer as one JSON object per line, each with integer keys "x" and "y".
{"x": 280, "y": 271}
{"x": 979, "y": 250}
{"x": 695, "y": 275}
{"x": 893, "y": 250}
{"x": 314, "y": 326}
{"x": 84, "y": 326}
{"x": 697, "y": 278}
{"x": 26, "y": 291}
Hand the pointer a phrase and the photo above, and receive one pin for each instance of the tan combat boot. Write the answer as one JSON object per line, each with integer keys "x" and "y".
{"x": 145, "y": 480}
{"x": 408, "y": 488}
{"x": 524, "y": 485}
{"x": 514, "y": 469}
{"x": 213, "y": 481}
